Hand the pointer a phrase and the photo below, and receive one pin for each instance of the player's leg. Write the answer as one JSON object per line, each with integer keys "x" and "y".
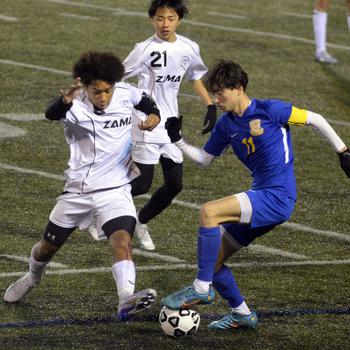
{"x": 41, "y": 254}
{"x": 319, "y": 20}
{"x": 163, "y": 196}
{"x": 224, "y": 282}
{"x": 118, "y": 218}
{"x": 213, "y": 213}
{"x": 145, "y": 155}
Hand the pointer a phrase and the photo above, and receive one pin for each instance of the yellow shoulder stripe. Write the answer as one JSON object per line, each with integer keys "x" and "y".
{"x": 298, "y": 116}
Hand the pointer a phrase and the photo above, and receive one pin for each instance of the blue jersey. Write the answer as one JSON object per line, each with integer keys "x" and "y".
{"x": 261, "y": 140}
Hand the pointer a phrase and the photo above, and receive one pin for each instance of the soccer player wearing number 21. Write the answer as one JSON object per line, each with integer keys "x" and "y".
{"x": 96, "y": 112}
{"x": 258, "y": 131}
{"x": 160, "y": 63}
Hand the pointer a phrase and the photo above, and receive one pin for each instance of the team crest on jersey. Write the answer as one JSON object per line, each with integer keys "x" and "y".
{"x": 184, "y": 62}
{"x": 255, "y": 127}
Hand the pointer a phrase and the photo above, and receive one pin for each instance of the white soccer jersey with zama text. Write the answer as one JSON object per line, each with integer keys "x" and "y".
{"x": 160, "y": 66}
{"x": 100, "y": 145}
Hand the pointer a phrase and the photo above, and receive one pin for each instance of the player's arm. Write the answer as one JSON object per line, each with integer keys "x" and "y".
{"x": 196, "y": 154}
{"x": 149, "y": 107}
{"x": 210, "y": 117}
{"x": 59, "y": 106}
{"x": 304, "y": 117}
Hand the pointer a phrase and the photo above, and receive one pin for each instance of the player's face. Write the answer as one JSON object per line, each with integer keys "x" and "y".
{"x": 228, "y": 100}
{"x": 165, "y": 23}
{"x": 99, "y": 93}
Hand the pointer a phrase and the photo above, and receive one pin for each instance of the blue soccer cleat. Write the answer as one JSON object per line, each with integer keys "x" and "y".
{"x": 135, "y": 303}
{"x": 233, "y": 320}
{"x": 187, "y": 297}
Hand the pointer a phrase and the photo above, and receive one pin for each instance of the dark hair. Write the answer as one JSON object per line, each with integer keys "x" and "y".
{"x": 178, "y": 6}
{"x": 98, "y": 66}
{"x": 226, "y": 74}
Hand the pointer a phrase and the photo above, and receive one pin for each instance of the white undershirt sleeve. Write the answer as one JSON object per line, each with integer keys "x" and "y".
{"x": 198, "y": 155}
{"x": 326, "y": 130}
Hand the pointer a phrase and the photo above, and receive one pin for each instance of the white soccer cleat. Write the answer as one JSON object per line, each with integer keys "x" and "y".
{"x": 135, "y": 303}
{"x": 325, "y": 57}
{"x": 142, "y": 235}
{"x": 18, "y": 290}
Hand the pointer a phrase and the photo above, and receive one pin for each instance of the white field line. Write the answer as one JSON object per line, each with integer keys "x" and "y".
{"x": 71, "y": 15}
{"x": 8, "y": 18}
{"x": 290, "y": 225}
{"x": 32, "y": 66}
{"x": 189, "y": 267}
{"x": 24, "y": 117}
{"x": 331, "y": 234}
{"x": 209, "y": 25}
{"x": 163, "y": 257}
{"x": 225, "y": 15}
{"x": 298, "y": 15}
{"x": 10, "y": 131}
{"x": 273, "y": 251}
{"x": 51, "y": 264}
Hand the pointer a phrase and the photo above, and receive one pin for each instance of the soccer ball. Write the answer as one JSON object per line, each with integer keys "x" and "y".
{"x": 178, "y": 323}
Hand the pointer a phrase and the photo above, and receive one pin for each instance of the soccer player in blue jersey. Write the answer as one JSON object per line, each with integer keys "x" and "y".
{"x": 258, "y": 131}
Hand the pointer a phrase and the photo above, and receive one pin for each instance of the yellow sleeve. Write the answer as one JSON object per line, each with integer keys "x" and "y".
{"x": 298, "y": 116}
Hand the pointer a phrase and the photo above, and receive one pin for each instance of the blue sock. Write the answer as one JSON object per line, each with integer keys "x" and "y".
{"x": 225, "y": 283}
{"x": 209, "y": 240}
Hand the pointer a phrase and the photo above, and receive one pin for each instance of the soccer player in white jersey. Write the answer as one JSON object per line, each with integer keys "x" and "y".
{"x": 319, "y": 21}
{"x": 96, "y": 113}
{"x": 160, "y": 63}
{"x": 258, "y": 131}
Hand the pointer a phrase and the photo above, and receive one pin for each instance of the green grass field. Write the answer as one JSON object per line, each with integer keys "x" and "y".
{"x": 297, "y": 277}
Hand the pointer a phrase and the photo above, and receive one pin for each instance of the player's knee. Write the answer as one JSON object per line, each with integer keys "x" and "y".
{"x": 175, "y": 189}
{"x": 121, "y": 244}
{"x": 207, "y": 218}
{"x": 44, "y": 251}
{"x": 140, "y": 186}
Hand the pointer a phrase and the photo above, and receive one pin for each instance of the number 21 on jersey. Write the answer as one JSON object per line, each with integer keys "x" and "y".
{"x": 159, "y": 60}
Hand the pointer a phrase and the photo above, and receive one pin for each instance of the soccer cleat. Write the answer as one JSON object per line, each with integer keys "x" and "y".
{"x": 187, "y": 297}
{"x": 233, "y": 320}
{"x": 135, "y": 303}
{"x": 93, "y": 232}
{"x": 325, "y": 57}
{"x": 18, "y": 290}
{"x": 143, "y": 237}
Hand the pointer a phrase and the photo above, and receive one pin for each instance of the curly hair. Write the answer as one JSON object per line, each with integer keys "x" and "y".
{"x": 98, "y": 66}
{"x": 226, "y": 74}
{"x": 178, "y": 6}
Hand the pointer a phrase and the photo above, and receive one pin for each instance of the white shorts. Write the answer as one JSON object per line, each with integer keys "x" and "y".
{"x": 79, "y": 210}
{"x": 149, "y": 153}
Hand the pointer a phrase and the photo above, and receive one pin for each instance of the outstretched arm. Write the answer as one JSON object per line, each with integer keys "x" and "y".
{"x": 300, "y": 116}
{"x": 198, "y": 155}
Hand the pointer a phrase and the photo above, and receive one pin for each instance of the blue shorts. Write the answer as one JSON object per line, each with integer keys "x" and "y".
{"x": 269, "y": 208}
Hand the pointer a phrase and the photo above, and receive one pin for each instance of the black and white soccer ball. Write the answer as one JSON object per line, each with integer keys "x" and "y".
{"x": 178, "y": 323}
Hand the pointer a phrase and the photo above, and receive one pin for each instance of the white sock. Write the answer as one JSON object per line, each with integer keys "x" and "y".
{"x": 36, "y": 268}
{"x": 348, "y": 18}
{"x": 242, "y": 309}
{"x": 319, "y": 20}
{"x": 124, "y": 274}
{"x": 201, "y": 287}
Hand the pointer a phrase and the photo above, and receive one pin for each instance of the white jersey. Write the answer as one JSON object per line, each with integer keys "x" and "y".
{"x": 100, "y": 145}
{"x": 160, "y": 66}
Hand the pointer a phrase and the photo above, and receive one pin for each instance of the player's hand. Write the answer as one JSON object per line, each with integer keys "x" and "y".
{"x": 150, "y": 123}
{"x": 345, "y": 161}
{"x": 173, "y": 127}
{"x": 209, "y": 119}
{"x": 72, "y": 92}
